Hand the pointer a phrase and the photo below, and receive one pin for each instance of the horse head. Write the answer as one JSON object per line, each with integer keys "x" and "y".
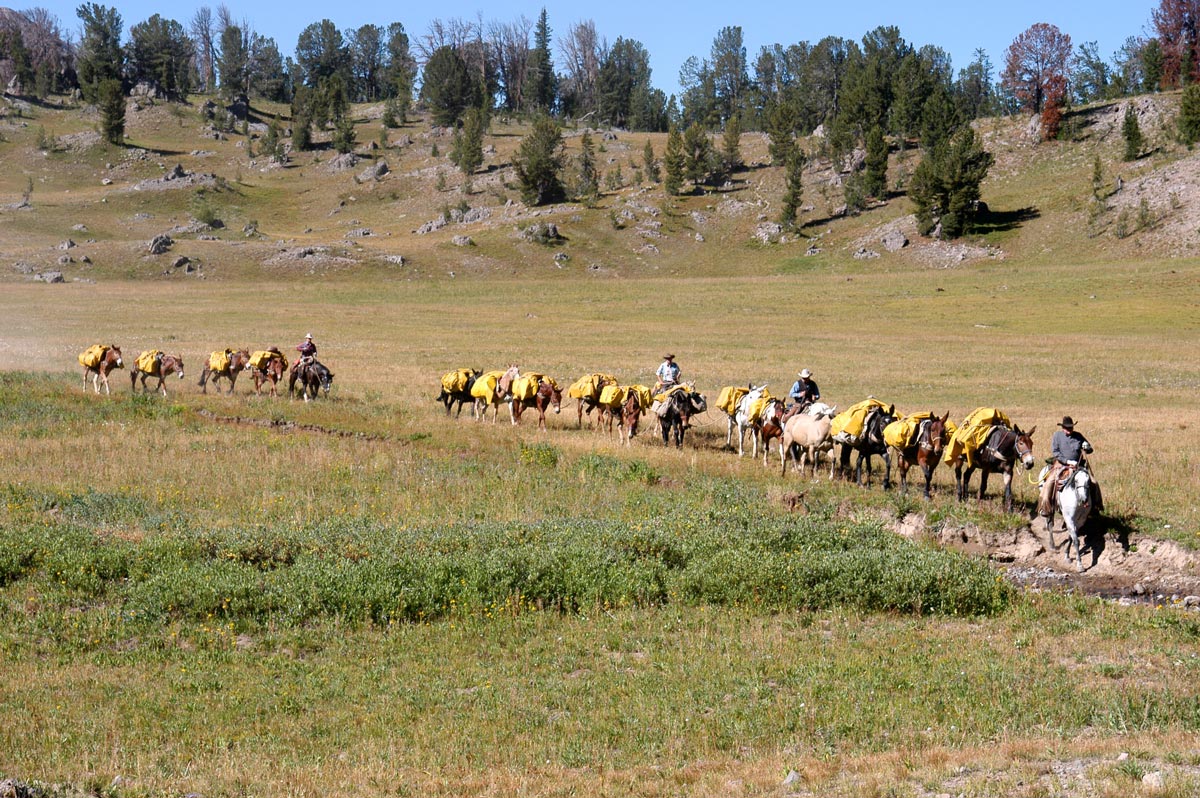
{"x": 696, "y": 400}
{"x": 115, "y": 350}
{"x": 1024, "y": 446}
{"x": 504, "y": 384}
{"x": 937, "y": 434}
{"x": 555, "y": 394}
{"x": 179, "y": 364}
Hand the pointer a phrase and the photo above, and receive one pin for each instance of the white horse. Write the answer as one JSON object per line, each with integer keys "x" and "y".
{"x": 741, "y": 417}
{"x": 808, "y": 432}
{"x": 1075, "y": 504}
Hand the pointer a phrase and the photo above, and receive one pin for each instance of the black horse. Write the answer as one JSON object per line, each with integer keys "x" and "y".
{"x": 462, "y": 397}
{"x": 869, "y": 443}
{"x": 314, "y": 378}
{"x": 680, "y": 407}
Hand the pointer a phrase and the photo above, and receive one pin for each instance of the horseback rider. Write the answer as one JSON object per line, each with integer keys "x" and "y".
{"x": 1067, "y": 448}
{"x": 804, "y": 390}
{"x": 308, "y": 352}
{"x": 667, "y": 374}
{"x": 803, "y": 393}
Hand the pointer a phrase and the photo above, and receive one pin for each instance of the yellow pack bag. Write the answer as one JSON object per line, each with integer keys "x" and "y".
{"x": 218, "y": 361}
{"x": 485, "y": 385}
{"x": 852, "y": 420}
{"x": 589, "y": 385}
{"x": 973, "y": 433}
{"x": 456, "y": 381}
{"x": 644, "y": 395}
{"x": 901, "y": 432}
{"x": 91, "y": 357}
{"x": 612, "y": 396}
{"x": 148, "y": 361}
{"x": 757, "y": 406}
{"x": 730, "y": 397}
{"x": 525, "y": 386}
{"x": 262, "y": 358}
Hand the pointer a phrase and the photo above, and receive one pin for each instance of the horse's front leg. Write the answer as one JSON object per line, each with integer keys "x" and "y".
{"x": 960, "y": 481}
{"x": 162, "y": 386}
{"x": 902, "y": 467}
{"x": 1008, "y": 492}
{"x": 984, "y": 473}
{"x": 887, "y": 469}
{"x": 928, "y": 469}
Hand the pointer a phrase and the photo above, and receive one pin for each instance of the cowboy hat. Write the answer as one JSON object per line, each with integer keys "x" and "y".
{"x": 668, "y": 357}
{"x": 1067, "y": 423}
{"x": 309, "y": 335}
{"x": 805, "y": 374}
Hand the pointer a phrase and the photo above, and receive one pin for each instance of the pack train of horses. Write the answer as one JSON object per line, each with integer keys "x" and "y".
{"x": 308, "y": 378}
{"x": 800, "y": 434}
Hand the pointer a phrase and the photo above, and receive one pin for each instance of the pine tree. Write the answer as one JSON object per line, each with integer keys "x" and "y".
{"x": 651, "y": 164}
{"x": 588, "y": 186}
{"x": 794, "y": 189}
{"x": 112, "y": 111}
{"x": 538, "y": 163}
{"x": 674, "y": 162}
{"x": 466, "y": 151}
{"x": 875, "y": 168}
{"x": 1131, "y": 131}
{"x": 541, "y": 84}
{"x": 945, "y": 186}
{"x": 731, "y": 145}
{"x": 781, "y": 129}
{"x": 1189, "y": 114}
{"x": 389, "y": 120}
{"x": 697, "y": 152}
{"x": 270, "y": 142}
{"x": 99, "y": 57}
{"x": 344, "y": 135}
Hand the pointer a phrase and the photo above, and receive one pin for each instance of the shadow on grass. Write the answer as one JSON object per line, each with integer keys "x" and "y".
{"x": 991, "y": 221}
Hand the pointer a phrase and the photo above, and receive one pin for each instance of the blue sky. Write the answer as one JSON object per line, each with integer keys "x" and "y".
{"x": 673, "y": 31}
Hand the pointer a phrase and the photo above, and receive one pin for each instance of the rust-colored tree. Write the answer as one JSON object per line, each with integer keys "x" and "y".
{"x": 1035, "y": 71}
{"x": 1177, "y": 23}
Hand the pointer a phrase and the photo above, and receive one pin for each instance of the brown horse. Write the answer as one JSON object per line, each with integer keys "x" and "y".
{"x": 484, "y": 399}
{"x": 586, "y": 404}
{"x": 768, "y": 428}
{"x": 272, "y": 372}
{"x": 161, "y": 368}
{"x": 236, "y": 365}
{"x": 924, "y": 451}
{"x": 548, "y": 395}
{"x": 999, "y": 452}
{"x": 631, "y": 413}
{"x": 111, "y": 359}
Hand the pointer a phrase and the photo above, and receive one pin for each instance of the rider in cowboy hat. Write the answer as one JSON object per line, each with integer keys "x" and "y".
{"x": 804, "y": 391}
{"x": 1067, "y": 448}
{"x": 307, "y": 350}
{"x": 668, "y": 373}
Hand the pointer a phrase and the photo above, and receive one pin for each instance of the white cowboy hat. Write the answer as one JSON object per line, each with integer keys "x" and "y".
{"x": 309, "y": 335}
{"x": 805, "y": 374}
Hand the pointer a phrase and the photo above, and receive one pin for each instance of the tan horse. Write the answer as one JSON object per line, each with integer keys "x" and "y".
{"x": 160, "y": 368}
{"x": 806, "y": 435}
{"x": 111, "y": 359}
{"x": 236, "y": 365}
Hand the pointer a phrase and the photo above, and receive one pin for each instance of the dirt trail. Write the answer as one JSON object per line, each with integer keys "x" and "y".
{"x": 1149, "y": 571}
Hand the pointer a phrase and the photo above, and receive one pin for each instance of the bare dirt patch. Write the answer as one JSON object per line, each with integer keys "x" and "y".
{"x": 1148, "y": 571}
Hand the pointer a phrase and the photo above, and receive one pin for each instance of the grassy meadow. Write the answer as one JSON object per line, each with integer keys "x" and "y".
{"x": 386, "y": 601}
